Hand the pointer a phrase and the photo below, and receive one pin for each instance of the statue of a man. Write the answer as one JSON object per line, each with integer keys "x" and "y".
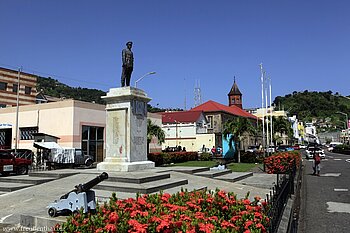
{"x": 128, "y": 64}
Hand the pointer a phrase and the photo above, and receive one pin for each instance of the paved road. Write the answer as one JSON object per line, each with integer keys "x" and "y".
{"x": 325, "y": 200}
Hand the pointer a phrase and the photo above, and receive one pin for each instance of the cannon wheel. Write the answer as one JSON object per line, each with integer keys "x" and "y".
{"x": 52, "y": 212}
{"x": 22, "y": 170}
{"x": 88, "y": 162}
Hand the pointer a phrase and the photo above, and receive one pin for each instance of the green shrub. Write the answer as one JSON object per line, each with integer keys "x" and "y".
{"x": 342, "y": 149}
{"x": 251, "y": 157}
{"x": 205, "y": 157}
{"x": 172, "y": 157}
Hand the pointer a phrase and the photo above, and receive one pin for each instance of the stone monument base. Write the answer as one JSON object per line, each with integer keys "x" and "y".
{"x": 117, "y": 166}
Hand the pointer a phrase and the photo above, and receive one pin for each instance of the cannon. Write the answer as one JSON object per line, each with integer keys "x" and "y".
{"x": 81, "y": 197}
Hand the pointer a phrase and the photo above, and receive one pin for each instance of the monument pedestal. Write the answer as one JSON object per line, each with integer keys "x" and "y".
{"x": 126, "y": 130}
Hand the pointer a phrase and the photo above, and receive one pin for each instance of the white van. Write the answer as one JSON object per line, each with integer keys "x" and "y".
{"x": 332, "y": 145}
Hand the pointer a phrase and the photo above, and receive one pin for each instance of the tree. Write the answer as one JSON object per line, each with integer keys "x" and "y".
{"x": 154, "y": 131}
{"x": 234, "y": 131}
{"x": 282, "y": 126}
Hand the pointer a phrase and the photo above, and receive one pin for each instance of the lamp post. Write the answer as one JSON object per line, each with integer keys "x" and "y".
{"x": 347, "y": 123}
{"x": 149, "y": 73}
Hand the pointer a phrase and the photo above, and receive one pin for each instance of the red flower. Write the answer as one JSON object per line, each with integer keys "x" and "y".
{"x": 207, "y": 228}
{"x": 113, "y": 217}
{"x": 246, "y": 201}
{"x": 163, "y": 225}
{"x": 248, "y": 224}
{"x": 111, "y": 228}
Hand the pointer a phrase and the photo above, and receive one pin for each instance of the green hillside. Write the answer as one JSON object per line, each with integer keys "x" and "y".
{"x": 322, "y": 106}
{"x": 53, "y": 87}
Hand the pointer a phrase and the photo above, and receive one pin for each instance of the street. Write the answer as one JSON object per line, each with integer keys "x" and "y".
{"x": 325, "y": 199}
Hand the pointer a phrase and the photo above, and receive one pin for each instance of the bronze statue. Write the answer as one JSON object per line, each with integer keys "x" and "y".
{"x": 128, "y": 64}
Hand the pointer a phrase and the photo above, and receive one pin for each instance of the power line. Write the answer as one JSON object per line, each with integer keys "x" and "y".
{"x": 35, "y": 72}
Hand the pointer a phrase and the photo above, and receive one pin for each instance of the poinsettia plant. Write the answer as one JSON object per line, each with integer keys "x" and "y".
{"x": 199, "y": 211}
{"x": 282, "y": 162}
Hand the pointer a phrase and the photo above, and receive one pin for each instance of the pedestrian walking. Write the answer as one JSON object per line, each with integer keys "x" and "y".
{"x": 316, "y": 164}
{"x": 213, "y": 151}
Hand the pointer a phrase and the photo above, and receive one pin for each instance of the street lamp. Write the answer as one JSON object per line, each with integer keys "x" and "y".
{"x": 347, "y": 119}
{"x": 347, "y": 123}
{"x": 149, "y": 73}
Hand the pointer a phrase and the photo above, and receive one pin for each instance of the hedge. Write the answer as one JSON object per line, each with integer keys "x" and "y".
{"x": 172, "y": 157}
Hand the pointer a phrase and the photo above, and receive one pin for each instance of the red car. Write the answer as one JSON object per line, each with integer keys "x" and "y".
{"x": 11, "y": 164}
{"x": 296, "y": 147}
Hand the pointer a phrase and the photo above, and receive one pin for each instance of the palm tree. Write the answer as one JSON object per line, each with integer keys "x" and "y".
{"x": 156, "y": 131}
{"x": 234, "y": 131}
{"x": 282, "y": 126}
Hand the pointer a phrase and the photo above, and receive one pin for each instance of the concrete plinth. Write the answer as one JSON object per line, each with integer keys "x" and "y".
{"x": 126, "y": 130}
{"x": 125, "y": 166}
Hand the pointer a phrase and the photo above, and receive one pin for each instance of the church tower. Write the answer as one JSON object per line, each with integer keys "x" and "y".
{"x": 235, "y": 96}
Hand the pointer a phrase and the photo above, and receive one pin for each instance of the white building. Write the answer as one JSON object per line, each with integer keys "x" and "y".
{"x": 311, "y": 133}
{"x": 186, "y": 129}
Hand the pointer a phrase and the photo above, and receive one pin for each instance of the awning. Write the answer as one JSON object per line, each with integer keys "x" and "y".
{"x": 46, "y": 145}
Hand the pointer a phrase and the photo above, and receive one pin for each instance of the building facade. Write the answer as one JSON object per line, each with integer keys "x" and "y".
{"x": 187, "y": 129}
{"x": 76, "y": 124}
{"x": 15, "y": 84}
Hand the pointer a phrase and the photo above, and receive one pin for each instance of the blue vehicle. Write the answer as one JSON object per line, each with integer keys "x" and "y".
{"x": 282, "y": 148}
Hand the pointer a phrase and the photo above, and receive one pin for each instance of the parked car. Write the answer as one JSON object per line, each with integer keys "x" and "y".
{"x": 10, "y": 164}
{"x": 282, "y": 148}
{"x": 302, "y": 146}
{"x": 271, "y": 149}
{"x": 311, "y": 150}
{"x": 296, "y": 147}
{"x": 22, "y": 153}
{"x": 333, "y": 144}
{"x": 252, "y": 149}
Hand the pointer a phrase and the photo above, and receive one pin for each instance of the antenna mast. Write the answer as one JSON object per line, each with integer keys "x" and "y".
{"x": 197, "y": 93}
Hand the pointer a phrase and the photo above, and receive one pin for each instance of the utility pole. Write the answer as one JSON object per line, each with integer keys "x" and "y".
{"x": 262, "y": 106}
{"x": 271, "y": 110}
{"x": 17, "y": 110}
{"x": 267, "y": 120}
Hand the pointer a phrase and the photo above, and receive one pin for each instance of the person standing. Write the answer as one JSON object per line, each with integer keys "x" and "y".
{"x": 316, "y": 164}
{"x": 128, "y": 64}
{"x": 213, "y": 151}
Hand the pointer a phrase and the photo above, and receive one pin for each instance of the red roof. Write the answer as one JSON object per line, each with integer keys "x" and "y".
{"x": 181, "y": 117}
{"x": 212, "y": 106}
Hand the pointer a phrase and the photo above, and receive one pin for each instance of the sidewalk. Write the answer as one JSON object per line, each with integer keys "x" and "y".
{"x": 28, "y": 205}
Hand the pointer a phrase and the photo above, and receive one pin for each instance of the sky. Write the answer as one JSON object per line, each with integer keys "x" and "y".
{"x": 303, "y": 45}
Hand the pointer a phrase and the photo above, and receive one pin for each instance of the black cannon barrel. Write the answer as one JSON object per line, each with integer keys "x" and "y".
{"x": 90, "y": 184}
{"x": 87, "y": 186}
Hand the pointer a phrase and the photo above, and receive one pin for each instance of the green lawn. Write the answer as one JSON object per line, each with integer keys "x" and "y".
{"x": 236, "y": 167}
{"x": 196, "y": 164}
{"x": 243, "y": 167}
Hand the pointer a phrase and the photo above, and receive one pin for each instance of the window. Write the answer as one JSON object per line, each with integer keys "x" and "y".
{"x": 14, "y": 88}
{"x": 3, "y": 86}
{"x": 27, "y": 90}
{"x": 2, "y": 105}
{"x": 210, "y": 122}
{"x": 26, "y": 133}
